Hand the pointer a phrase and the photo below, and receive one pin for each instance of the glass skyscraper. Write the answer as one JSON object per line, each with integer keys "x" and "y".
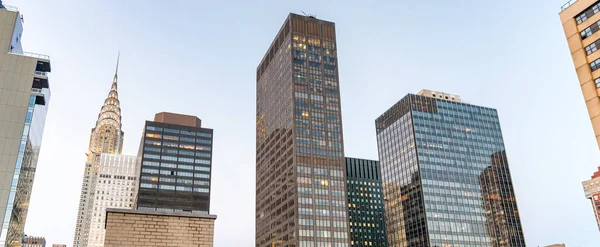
{"x": 446, "y": 180}
{"x": 365, "y": 203}
{"x": 176, "y": 162}
{"x": 300, "y": 170}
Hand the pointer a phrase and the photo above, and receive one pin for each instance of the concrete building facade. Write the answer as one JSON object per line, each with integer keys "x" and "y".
{"x": 592, "y": 192}
{"x": 158, "y": 228}
{"x": 24, "y": 100}
{"x": 581, "y": 23}
{"x": 116, "y": 187}
{"x": 30, "y": 241}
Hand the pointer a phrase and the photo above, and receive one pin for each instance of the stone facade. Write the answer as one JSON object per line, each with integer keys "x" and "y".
{"x": 152, "y": 228}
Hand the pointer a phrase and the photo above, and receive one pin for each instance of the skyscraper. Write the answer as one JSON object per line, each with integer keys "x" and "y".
{"x": 592, "y": 191}
{"x": 365, "y": 203}
{"x": 106, "y": 137}
{"x": 446, "y": 180}
{"x": 581, "y": 23}
{"x": 299, "y": 143}
{"x": 116, "y": 188}
{"x": 176, "y": 164}
{"x": 24, "y": 99}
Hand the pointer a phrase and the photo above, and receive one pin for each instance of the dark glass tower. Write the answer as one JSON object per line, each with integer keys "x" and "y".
{"x": 446, "y": 180}
{"x": 365, "y": 203}
{"x": 300, "y": 170}
{"x": 176, "y": 162}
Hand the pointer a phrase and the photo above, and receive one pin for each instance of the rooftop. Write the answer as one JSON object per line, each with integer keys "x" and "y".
{"x": 9, "y": 8}
{"x": 178, "y": 119}
{"x": 439, "y": 95}
{"x": 567, "y": 5}
{"x": 160, "y": 213}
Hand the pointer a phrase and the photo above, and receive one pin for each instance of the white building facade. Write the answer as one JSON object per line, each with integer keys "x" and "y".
{"x": 116, "y": 187}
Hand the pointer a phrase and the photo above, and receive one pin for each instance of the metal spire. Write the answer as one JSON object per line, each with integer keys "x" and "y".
{"x": 118, "y": 58}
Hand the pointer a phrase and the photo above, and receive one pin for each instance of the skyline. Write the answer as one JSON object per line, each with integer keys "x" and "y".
{"x": 520, "y": 121}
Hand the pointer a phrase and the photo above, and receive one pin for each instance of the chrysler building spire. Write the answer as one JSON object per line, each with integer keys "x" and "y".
{"x": 109, "y": 121}
{"x": 106, "y": 137}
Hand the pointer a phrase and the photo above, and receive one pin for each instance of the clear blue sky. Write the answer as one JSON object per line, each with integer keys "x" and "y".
{"x": 199, "y": 58}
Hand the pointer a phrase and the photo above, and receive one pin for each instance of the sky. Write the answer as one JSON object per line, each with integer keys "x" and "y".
{"x": 200, "y": 58}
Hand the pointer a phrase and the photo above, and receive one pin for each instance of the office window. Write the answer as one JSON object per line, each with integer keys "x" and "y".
{"x": 167, "y": 187}
{"x": 589, "y": 12}
{"x": 595, "y": 65}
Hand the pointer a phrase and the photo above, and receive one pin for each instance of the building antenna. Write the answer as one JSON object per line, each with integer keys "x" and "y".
{"x": 311, "y": 16}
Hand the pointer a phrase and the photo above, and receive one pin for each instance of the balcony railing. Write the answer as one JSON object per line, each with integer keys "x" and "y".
{"x": 567, "y": 5}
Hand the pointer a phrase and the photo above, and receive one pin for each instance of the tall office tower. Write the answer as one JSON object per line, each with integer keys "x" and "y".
{"x": 176, "y": 162}
{"x": 445, "y": 175}
{"x": 24, "y": 99}
{"x": 116, "y": 187}
{"x": 365, "y": 203}
{"x": 106, "y": 137}
{"x": 29, "y": 241}
{"x": 299, "y": 144}
{"x": 581, "y": 23}
{"x": 592, "y": 191}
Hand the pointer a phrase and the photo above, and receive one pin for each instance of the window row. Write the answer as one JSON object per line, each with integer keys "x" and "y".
{"x": 174, "y": 131}
{"x": 175, "y": 145}
{"x": 321, "y": 244}
{"x": 589, "y": 12}
{"x": 173, "y": 165}
{"x": 175, "y": 158}
{"x": 175, "y": 173}
{"x": 177, "y": 138}
{"x": 177, "y": 151}
{"x": 320, "y": 171}
{"x": 173, "y": 187}
{"x": 317, "y": 151}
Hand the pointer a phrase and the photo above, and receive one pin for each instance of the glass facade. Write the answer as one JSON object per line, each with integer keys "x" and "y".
{"x": 176, "y": 164}
{"x": 365, "y": 203}
{"x": 445, "y": 175}
{"x": 20, "y": 190}
{"x": 300, "y": 171}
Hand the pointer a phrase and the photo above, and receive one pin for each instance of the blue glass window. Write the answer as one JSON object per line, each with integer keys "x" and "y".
{"x": 299, "y": 53}
{"x": 332, "y": 91}
{"x": 299, "y": 61}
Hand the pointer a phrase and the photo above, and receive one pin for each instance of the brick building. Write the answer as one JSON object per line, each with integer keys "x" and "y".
{"x": 125, "y": 227}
